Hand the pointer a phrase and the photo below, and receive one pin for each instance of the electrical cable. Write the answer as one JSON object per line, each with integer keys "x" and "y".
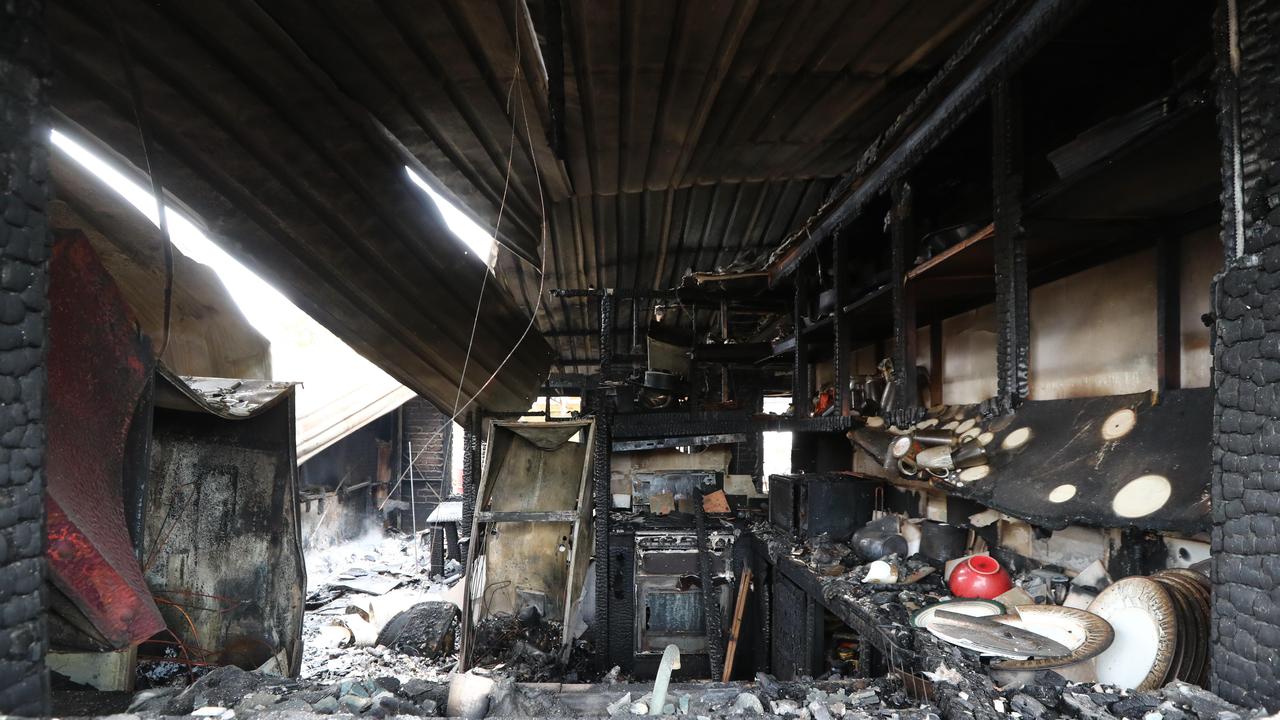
{"x": 542, "y": 278}
{"x": 157, "y": 190}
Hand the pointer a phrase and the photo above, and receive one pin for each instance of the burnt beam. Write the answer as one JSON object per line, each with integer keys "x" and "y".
{"x": 1013, "y": 322}
{"x": 902, "y": 232}
{"x": 1015, "y": 41}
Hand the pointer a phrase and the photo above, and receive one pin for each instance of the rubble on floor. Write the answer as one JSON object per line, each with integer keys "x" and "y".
{"x": 229, "y": 692}
{"x": 374, "y": 610}
{"x": 526, "y": 648}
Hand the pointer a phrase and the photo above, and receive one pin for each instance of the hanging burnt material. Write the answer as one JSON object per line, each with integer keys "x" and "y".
{"x": 99, "y": 373}
{"x": 222, "y": 543}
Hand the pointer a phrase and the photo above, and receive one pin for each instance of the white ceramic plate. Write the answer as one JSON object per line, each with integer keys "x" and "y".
{"x": 1146, "y": 632}
{"x": 973, "y": 608}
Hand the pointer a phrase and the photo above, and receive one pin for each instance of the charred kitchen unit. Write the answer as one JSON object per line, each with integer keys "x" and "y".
{"x": 656, "y": 592}
{"x": 669, "y": 589}
{"x": 810, "y": 504}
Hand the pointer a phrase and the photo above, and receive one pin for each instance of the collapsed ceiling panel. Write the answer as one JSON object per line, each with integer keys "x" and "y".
{"x": 296, "y": 178}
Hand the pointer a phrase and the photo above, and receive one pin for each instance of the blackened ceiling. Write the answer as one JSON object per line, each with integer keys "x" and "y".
{"x": 655, "y": 136}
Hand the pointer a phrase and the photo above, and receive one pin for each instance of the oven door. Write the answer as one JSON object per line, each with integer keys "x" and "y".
{"x": 669, "y": 599}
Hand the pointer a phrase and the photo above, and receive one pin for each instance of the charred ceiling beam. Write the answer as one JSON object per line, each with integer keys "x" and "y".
{"x": 1013, "y": 320}
{"x": 1024, "y": 35}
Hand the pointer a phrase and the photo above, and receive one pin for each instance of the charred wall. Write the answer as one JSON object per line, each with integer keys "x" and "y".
{"x": 1246, "y": 371}
{"x": 24, "y": 243}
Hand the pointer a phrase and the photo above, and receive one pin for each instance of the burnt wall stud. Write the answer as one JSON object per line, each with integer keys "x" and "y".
{"x": 936, "y": 360}
{"x": 902, "y": 232}
{"x": 801, "y": 391}
{"x": 1013, "y": 324}
{"x": 471, "y": 469}
{"x": 24, "y": 246}
{"x": 601, "y": 463}
{"x": 842, "y": 342}
{"x": 1245, "y": 628}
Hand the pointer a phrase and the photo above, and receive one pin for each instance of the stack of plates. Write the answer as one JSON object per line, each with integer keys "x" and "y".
{"x": 1189, "y": 591}
{"x": 1161, "y": 628}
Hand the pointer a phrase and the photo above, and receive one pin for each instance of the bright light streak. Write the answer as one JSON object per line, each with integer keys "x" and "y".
{"x": 479, "y": 240}
{"x": 301, "y": 349}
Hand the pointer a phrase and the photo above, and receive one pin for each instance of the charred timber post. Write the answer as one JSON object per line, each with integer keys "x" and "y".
{"x": 841, "y": 349}
{"x": 601, "y": 493}
{"x": 1246, "y": 361}
{"x": 471, "y": 465}
{"x": 902, "y": 231}
{"x": 606, "y": 333}
{"x": 1013, "y": 324}
{"x": 800, "y": 390}
{"x": 24, "y": 249}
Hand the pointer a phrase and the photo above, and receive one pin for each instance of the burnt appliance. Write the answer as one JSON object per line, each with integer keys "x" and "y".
{"x": 810, "y": 504}
{"x": 668, "y": 592}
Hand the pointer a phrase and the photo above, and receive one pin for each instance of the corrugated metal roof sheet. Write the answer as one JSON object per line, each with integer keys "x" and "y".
{"x": 691, "y": 131}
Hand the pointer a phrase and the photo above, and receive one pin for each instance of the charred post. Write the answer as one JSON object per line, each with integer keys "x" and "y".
{"x": 903, "y": 238}
{"x": 24, "y": 244}
{"x": 1246, "y": 489}
{"x": 841, "y": 343}
{"x": 1013, "y": 323}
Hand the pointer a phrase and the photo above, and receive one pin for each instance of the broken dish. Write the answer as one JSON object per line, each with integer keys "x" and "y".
{"x": 1086, "y": 635}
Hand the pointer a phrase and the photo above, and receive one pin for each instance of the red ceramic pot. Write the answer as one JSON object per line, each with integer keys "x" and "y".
{"x": 980, "y": 577}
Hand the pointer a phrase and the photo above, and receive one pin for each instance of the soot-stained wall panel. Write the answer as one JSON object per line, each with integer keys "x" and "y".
{"x": 222, "y": 543}
{"x": 969, "y": 357}
{"x": 1094, "y": 333}
{"x": 1201, "y": 258}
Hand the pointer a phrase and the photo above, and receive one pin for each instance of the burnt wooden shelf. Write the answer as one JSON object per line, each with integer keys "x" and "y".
{"x": 970, "y": 696}
{"x": 872, "y": 315}
{"x": 942, "y": 262}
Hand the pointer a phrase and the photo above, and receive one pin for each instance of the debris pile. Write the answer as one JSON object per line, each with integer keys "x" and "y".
{"x": 228, "y": 692}
{"x": 1050, "y": 696}
{"x": 805, "y": 700}
{"x": 373, "y": 610}
{"x": 525, "y": 645}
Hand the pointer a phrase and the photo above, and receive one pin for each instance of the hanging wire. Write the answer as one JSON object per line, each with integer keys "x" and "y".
{"x": 544, "y": 235}
{"x": 157, "y": 190}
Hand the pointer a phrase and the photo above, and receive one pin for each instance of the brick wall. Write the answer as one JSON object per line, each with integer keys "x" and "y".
{"x": 24, "y": 245}
{"x": 422, "y": 428}
{"x": 426, "y": 442}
